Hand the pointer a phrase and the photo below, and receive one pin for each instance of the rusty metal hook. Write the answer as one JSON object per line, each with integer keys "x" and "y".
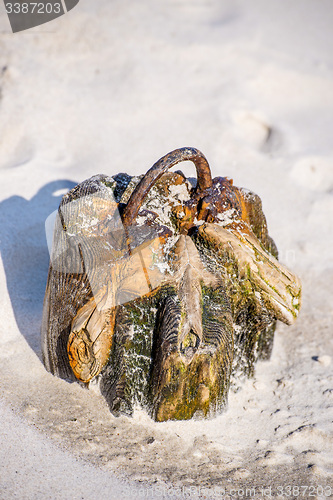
{"x": 158, "y": 169}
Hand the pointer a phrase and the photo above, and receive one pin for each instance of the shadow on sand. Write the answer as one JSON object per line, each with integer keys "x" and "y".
{"x": 25, "y": 254}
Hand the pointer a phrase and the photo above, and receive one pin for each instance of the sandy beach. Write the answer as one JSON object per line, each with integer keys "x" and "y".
{"x": 111, "y": 87}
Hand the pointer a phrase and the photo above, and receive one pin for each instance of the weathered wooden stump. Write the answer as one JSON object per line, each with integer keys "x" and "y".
{"x": 159, "y": 290}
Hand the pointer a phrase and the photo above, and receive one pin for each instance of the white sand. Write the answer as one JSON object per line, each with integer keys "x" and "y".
{"x": 111, "y": 87}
